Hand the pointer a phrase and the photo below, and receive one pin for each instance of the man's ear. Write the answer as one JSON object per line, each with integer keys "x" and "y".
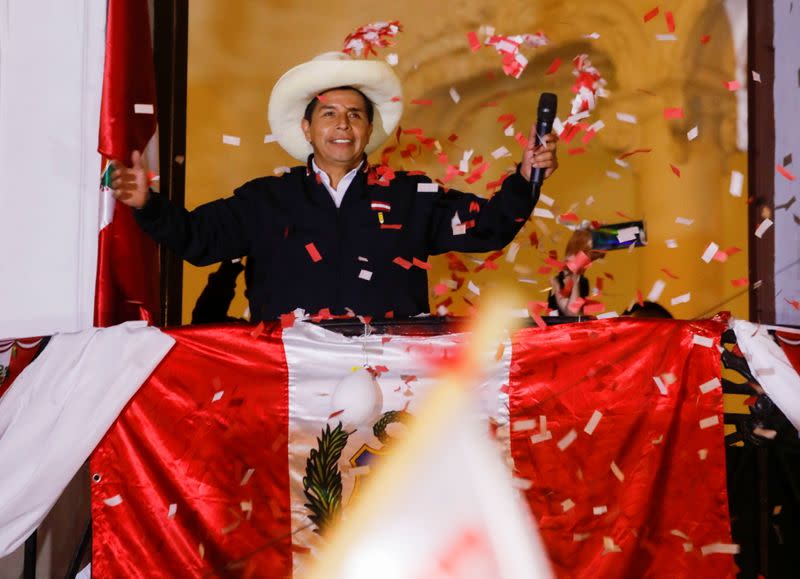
{"x": 306, "y": 126}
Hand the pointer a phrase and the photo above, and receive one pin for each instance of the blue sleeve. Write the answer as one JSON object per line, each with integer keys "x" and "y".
{"x": 491, "y": 224}
{"x": 210, "y": 233}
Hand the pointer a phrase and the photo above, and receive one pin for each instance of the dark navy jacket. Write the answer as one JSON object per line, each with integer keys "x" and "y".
{"x": 274, "y": 219}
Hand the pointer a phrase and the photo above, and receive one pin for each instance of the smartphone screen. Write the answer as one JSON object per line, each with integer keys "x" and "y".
{"x": 619, "y": 236}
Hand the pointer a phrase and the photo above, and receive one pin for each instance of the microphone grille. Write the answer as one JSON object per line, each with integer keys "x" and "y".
{"x": 548, "y": 103}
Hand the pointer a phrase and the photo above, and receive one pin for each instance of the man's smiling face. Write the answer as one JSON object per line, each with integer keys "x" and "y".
{"x": 339, "y": 129}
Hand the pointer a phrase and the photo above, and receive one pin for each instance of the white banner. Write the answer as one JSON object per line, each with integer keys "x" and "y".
{"x": 51, "y": 68}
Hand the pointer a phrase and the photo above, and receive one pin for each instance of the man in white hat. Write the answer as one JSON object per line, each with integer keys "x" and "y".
{"x": 337, "y": 233}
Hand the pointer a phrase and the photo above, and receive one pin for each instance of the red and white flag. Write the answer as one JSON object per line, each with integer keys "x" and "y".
{"x": 243, "y": 447}
{"x": 127, "y": 261}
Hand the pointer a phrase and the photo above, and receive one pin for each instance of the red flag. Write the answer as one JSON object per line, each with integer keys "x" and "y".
{"x": 627, "y": 480}
{"x": 127, "y": 263}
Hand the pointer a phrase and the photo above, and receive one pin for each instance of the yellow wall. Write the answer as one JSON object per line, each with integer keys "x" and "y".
{"x": 237, "y": 50}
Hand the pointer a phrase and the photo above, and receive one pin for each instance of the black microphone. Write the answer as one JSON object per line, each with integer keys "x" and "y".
{"x": 545, "y": 117}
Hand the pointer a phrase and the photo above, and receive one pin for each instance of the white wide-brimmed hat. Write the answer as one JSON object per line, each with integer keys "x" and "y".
{"x": 298, "y": 86}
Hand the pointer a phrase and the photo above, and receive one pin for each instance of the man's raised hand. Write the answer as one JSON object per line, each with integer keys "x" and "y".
{"x": 130, "y": 185}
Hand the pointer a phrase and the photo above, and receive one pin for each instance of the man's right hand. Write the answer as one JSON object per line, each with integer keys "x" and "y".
{"x": 131, "y": 186}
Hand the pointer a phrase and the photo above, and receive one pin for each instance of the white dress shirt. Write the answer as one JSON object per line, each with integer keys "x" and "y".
{"x": 336, "y": 194}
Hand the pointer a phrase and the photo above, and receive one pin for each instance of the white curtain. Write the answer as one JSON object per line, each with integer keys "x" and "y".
{"x": 51, "y": 67}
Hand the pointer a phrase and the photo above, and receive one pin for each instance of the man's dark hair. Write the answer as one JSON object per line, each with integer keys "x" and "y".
{"x": 313, "y": 104}
{"x": 648, "y": 310}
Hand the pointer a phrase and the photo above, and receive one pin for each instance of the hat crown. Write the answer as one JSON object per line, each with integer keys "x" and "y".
{"x": 333, "y": 55}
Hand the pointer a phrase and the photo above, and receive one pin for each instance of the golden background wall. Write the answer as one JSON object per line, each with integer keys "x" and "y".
{"x": 237, "y": 50}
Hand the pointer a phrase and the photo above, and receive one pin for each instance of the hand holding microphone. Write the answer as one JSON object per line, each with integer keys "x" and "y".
{"x": 539, "y": 159}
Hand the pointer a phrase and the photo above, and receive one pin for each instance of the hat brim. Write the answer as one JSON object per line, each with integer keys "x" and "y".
{"x": 298, "y": 86}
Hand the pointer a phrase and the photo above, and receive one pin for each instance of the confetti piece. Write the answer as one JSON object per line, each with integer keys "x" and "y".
{"x": 673, "y": 113}
{"x": 405, "y": 264}
{"x": 705, "y": 38}
{"x": 392, "y": 59}
{"x": 732, "y": 85}
{"x": 702, "y": 341}
{"x": 609, "y": 546}
{"x": 246, "y": 477}
{"x": 567, "y": 504}
{"x": 600, "y": 510}
{"x": 675, "y": 169}
{"x": 722, "y": 548}
{"x": 627, "y": 234}
{"x": 501, "y": 152}
{"x": 312, "y": 251}
{"x": 680, "y": 534}
{"x": 710, "y": 252}
{"x": 523, "y": 425}
{"x": 578, "y": 537}
{"x": 537, "y": 438}
{"x": 684, "y": 221}
{"x": 427, "y": 187}
{"x": 568, "y": 439}
{"x": 670, "y": 19}
{"x": 542, "y": 212}
{"x": 651, "y": 14}
{"x": 756, "y": 76}
{"x": 762, "y": 228}
{"x": 741, "y": 282}
{"x": 593, "y": 422}
{"x": 692, "y": 134}
{"x": 281, "y": 170}
{"x": 606, "y": 315}
{"x": 666, "y": 37}
{"x": 474, "y": 288}
{"x": 422, "y": 102}
{"x": 114, "y": 501}
{"x": 627, "y": 118}
{"x": 421, "y": 264}
{"x": 143, "y": 109}
{"x": 365, "y": 275}
{"x": 662, "y": 388}
{"x": 173, "y": 508}
{"x": 657, "y": 289}
{"x": 712, "y": 384}
{"x": 681, "y": 299}
{"x": 554, "y": 66}
{"x": 617, "y": 472}
{"x": 737, "y": 181}
{"x": 231, "y": 140}
{"x": 511, "y": 254}
{"x": 270, "y": 139}
{"x": 784, "y": 172}
{"x": 613, "y": 175}
{"x": 474, "y": 43}
{"x": 709, "y": 422}
{"x": 671, "y": 243}
{"x": 218, "y": 396}
{"x": 454, "y": 95}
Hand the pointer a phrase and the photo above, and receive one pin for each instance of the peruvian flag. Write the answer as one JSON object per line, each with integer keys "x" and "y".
{"x": 245, "y": 447}
{"x": 127, "y": 262}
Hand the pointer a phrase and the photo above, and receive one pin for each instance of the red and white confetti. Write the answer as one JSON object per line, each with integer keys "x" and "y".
{"x": 365, "y": 40}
